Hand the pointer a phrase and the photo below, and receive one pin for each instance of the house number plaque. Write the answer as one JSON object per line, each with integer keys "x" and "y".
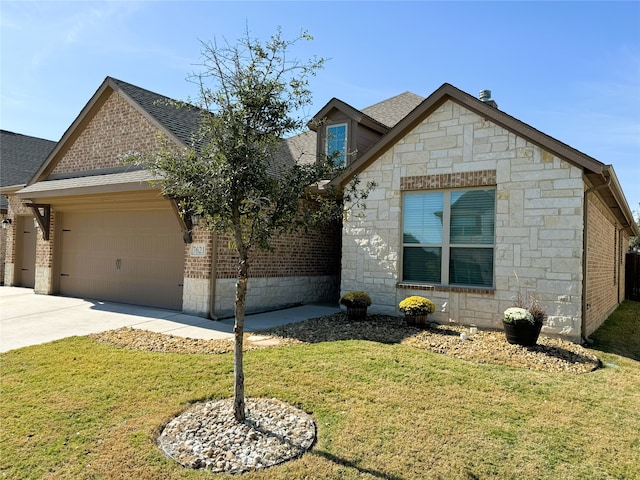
{"x": 198, "y": 250}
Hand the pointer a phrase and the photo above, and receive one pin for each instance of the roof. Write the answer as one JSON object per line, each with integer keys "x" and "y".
{"x": 20, "y": 157}
{"x": 597, "y": 172}
{"x": 392, "y": 118}
{"x": 380, "y": 116}
{"x": 181, "y": 119}
{"x": 132, "y": 180}
{"x": 177, "y": 120}
{"x": 394, "y": 109}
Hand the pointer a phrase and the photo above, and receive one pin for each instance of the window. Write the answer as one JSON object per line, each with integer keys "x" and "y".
{"x": 337, "y": 143}
{"x": 448, "y": 237}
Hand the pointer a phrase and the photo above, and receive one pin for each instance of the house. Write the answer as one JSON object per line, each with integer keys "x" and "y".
{"x": 20, "y": 157}
{"x": 107, "y": 233}
{"x": 472, "y": 208}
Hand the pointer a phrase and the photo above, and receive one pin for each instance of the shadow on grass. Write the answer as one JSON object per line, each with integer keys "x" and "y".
{"x": 620, "y": 333}
{"x": 349, "y": 464}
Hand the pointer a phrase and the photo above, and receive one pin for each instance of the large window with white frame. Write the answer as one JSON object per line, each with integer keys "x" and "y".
{"x": 449, "y": 237}
{"x": 337, "y": 143}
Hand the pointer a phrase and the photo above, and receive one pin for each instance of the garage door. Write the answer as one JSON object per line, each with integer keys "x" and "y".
{"x": 128, "y": 257}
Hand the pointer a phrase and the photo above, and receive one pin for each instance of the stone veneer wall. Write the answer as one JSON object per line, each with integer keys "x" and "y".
{"x": 539, "y": 203}
{"x": 196, "y": 297}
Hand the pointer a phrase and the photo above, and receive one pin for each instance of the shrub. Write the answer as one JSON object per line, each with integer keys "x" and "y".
{"x": 355, "y": 299}
{"x": 416, "y": 305}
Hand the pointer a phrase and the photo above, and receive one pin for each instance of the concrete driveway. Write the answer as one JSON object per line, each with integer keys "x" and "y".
{"x": 30, "y": 319}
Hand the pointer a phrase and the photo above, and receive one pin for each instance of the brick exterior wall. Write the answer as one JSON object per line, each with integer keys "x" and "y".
{"x": 606, "y": 247}
{"x": 116, "y": 129}
{"x": 302, "y": 268}
{"x": 293, "y": 255}
{"x": 538, "y": 229}
{"x": 16, "y": 208}
{"x": 3, "y": 248}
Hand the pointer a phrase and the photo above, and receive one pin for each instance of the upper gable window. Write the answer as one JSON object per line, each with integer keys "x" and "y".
{"x": 337, "y": 143}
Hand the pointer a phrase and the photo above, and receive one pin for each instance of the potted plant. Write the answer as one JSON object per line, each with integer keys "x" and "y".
{"x": 522, "y": 325}
{"x": 416, "y": 309}
{"x": 356, "y": 303}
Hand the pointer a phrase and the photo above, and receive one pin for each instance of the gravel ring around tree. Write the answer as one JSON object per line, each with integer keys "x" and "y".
{"x": 207, "y": 436}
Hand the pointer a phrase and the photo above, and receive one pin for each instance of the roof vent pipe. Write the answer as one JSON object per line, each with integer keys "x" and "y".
{"x": 485, "y": 96}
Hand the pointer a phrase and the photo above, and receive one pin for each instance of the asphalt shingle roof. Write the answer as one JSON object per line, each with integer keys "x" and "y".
{"x": 182, "y": 121}
{"x": 20, "y": 158}
{"x": 391, "y": 111}
{"x": 302, "y": 148}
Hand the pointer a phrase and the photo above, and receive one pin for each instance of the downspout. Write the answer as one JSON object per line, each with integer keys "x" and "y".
{"x": 214, "y": 273}
{"x": 583, "y": 324}
{"x": 621, "y": 254}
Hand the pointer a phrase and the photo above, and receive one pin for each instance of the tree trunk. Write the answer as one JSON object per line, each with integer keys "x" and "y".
{"x": 238, "y": 330}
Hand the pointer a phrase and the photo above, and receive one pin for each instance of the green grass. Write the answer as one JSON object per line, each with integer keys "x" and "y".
{"x": 76, "y": 409}
{"x": 620, "y": 334}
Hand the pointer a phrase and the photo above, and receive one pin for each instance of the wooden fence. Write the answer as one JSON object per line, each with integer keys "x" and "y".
{"x": 632, "y": 277}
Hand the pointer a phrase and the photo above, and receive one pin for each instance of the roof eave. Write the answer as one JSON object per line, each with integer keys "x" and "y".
{"x": 352, "y": 112}
{"x": 11, "y": 189}
{"x": 625, "y": 215}
{"x": 449, "y": 92}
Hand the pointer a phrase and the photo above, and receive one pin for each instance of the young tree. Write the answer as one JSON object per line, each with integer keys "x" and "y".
{"x": 249, "y": 95}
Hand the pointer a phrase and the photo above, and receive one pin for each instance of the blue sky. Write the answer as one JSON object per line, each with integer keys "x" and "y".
{"x": 569, "y": 69}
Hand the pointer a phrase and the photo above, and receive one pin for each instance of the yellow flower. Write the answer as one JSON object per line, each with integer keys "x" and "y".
{"x": 416, "y": 305}
{"x": 355, "y": 299}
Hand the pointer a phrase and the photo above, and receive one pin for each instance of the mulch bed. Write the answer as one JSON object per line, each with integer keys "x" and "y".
{"x": 486, "y": 346}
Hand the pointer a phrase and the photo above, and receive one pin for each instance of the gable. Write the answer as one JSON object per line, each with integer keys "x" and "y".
{"x": 113, "y": 130}
{"x": 595, "y": 173}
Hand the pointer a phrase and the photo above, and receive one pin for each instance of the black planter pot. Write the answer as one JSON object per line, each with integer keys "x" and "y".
{"x": 525, "y": 334}
{"x": 357, "y": 313}
{"x": 417, "y": 320}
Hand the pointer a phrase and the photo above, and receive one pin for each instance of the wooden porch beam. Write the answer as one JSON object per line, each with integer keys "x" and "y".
{"x": 42, "y": 214}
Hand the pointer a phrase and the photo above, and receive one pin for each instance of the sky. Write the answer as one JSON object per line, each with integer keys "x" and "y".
{"x": 569, "y": 69}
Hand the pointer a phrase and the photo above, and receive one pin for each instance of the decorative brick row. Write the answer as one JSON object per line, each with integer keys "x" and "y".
{"x": 449, "y": 180}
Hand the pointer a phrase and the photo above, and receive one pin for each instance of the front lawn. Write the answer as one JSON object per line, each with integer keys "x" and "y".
{"x": 80, "y": 409}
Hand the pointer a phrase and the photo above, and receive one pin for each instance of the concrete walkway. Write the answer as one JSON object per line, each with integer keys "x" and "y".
{"x": 30, "y": 319}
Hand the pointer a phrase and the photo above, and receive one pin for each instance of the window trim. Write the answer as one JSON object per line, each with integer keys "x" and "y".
{"x": 343, "y": 162}
{"x": 446, "y": 245}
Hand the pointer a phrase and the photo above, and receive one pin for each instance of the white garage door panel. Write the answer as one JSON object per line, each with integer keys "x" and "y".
{"x": 128, "y": 257}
